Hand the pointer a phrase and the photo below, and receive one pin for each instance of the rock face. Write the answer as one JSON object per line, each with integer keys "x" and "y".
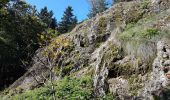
{"x": 101, "y": 57}
{"x": 126, "y": 49}
{"x": 159, "y": 81}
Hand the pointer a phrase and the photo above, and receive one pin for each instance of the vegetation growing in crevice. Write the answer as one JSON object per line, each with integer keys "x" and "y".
{"x": 67, "y": 68}
{"x": 57, "y": 47}
{"x": 137, "y": 82}
{"x": 134, "y": 84}
{"x": 101, "y": 25}
{"x": 121, "y": 70}
{"x": 139, "y": 39}
{"x": 57, "y": 50}
{"x": 112, "y": 53}
{"x": 100, "y": 39}
{"x": 145, "y": 4}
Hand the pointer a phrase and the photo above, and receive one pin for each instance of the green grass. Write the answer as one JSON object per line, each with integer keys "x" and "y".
{"x": 144, "y": 30}
{"x": 139, "y": 39}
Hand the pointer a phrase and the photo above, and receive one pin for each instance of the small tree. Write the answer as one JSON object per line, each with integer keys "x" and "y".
{"x": 47, "y": 17}
{"x": 48, "y": 60}
{"x": 19, "y": 29}
{"x": 68, "y": 21}
{"x": 97, "y": 6}
{"x": 53, "y": 23}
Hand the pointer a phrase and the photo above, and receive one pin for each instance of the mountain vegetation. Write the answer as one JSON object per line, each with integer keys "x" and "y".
{"x": 22, "y": 31}
{"x": 68, "y": 21}
{"x": 119, "y": 53}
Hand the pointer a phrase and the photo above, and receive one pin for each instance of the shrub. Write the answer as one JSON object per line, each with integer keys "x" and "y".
{"x": 66, "y": 69}
{"x": 101, "y": 26}
{"x": 46, "y": 36}
{"x": 74, "y": 88}
{"x": 42, "y": 93}
{"x": 68, "y": 88}
{"x": 134, "y": 84}
{"x": 145, "y": 4}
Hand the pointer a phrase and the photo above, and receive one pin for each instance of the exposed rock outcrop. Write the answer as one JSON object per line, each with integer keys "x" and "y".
{"x": 125, "y": 49}
{"x": 159, "y": 81}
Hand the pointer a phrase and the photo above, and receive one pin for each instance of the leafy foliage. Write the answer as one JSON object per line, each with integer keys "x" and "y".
{"x": 3, "y": 3}
{"x": 46, "y": 36}
{"x": 22, "y": 31}
{"x": 19, "y": 29}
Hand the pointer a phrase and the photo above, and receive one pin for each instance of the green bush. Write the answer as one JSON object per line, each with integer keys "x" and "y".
{"x": 42, "y": 93}
{"x": 74, "y": 88}
{"x": 69, "y": 88}
{"x": 145, "y": 4}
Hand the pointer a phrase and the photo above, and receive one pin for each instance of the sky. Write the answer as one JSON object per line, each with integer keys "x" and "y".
{"x": 80, "y": 7}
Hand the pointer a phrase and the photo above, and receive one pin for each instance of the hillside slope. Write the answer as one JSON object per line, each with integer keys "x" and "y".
{"x": 125, "y": 51}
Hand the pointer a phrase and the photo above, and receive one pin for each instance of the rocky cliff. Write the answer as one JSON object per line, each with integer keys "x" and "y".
{"x": 126, "y": 51}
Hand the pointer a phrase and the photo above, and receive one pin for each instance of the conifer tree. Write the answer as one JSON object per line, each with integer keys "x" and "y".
{"x": 3, "y": 3}
{"x": 19, "y": 36}
{"x": 53, "y": 24}
{"x": 68, "y": 21}
{"x": 47, "y": 17}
